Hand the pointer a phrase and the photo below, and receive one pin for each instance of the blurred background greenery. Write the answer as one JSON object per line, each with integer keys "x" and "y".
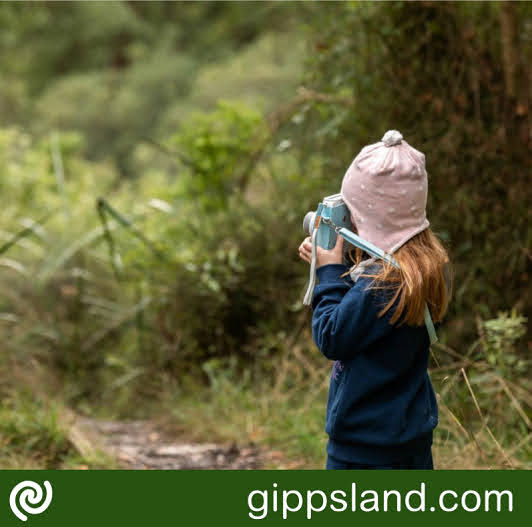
{"x": 156, "y": 161}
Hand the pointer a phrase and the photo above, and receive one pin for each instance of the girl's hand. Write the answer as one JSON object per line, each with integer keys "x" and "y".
{"x": 305, "y": 250}
{"x": 332, "y": 256}
{"x": 323, "y": 256}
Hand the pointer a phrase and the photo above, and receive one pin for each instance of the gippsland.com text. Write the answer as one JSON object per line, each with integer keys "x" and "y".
{"x": 267, "y": 502}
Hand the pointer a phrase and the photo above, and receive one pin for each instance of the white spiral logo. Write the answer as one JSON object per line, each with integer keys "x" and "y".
{"x": 30, "y": 495}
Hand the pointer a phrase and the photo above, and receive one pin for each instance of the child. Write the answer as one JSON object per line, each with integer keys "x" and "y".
{"x": 369, "y": 319}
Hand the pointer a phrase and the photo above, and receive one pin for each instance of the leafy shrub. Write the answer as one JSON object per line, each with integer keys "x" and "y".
{"x": 500, "y": 339}
{"x": 215, "y": 148}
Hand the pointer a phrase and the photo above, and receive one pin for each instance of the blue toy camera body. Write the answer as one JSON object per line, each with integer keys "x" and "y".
{"x": 334, "y": 209}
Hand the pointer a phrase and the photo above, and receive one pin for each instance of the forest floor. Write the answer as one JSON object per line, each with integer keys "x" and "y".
{"x": 143, "y": 445}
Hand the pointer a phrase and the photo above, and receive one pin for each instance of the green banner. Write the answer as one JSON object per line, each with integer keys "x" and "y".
{"x": 78, "y": 498}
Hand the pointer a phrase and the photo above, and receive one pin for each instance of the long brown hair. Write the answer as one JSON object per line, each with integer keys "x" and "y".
{"x": 424, "y": 277}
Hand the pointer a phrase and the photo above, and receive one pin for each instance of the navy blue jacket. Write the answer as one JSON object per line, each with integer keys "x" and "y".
{"x": 381, "y": 404}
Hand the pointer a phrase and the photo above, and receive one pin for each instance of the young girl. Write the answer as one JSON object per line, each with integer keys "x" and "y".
{"x": 369, "y": 319}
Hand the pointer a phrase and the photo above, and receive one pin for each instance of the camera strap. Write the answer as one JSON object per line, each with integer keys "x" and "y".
{"x": 369, "y": 248}
{"x": 307, "y": 300}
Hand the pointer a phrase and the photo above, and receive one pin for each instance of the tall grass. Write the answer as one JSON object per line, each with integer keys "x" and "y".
{"x": 39, "y": 433}
{"x": 481, "y": 426}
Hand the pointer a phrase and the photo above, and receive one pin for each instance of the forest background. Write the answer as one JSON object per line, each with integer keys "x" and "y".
{"x": 156, "y": 161}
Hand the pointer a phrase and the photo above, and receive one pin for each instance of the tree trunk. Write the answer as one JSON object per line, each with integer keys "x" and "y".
{"x": 516, "y": 78}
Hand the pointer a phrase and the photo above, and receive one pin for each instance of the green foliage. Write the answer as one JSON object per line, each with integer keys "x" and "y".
{"x": 218, "y": 293}
{"x": 501, "y": 336}
{"x": 29, "y": 425}
{"x": 33, "y": 435}
{"x": 30, "y": 178}
{"x": 108, "y": 321}
{"x": 120, "y": 73}
{"x": 134, "y": 100}
{"x": 215, "y": 147}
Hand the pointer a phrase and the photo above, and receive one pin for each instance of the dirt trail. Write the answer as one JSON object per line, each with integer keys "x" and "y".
{"x": 141, "y": 445}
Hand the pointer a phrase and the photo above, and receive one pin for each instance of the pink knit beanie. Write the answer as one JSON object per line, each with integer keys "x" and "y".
{"x": 385, "y": 189}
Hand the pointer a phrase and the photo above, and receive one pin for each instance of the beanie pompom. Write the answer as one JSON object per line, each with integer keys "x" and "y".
{"x": 392, "y": 138}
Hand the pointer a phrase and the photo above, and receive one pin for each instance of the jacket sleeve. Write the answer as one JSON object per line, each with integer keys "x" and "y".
{"x": 345, "y": 318}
